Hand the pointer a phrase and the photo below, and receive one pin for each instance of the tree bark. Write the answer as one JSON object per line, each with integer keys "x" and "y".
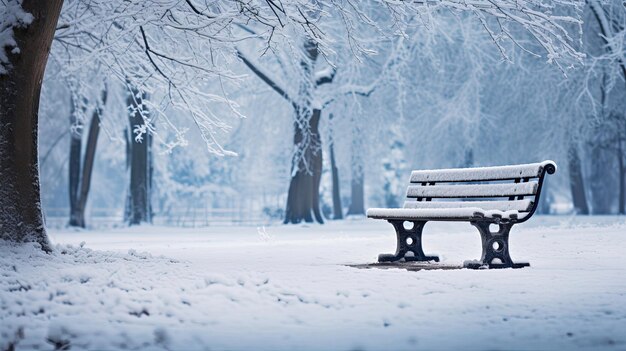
{"x": 577, "y": 185}
{"x": 139, "y": 156}
{"x": 21, "y": 218}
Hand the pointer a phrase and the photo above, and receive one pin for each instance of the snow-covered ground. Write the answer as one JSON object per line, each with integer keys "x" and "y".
{"x": 288, "y": 287}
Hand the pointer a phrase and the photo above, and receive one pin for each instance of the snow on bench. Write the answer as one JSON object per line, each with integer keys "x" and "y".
{"x": 481, "y": 196}
{"x": 532, "y": 170}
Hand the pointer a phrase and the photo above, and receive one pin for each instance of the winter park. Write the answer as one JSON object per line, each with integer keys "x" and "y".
{"x": 312, "y": 175}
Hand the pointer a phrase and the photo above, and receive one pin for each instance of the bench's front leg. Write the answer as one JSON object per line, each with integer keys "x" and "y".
{"x": 409, "y": 244}
{"x": 495, "y": 247}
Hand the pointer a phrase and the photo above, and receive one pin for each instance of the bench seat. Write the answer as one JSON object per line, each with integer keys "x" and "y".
{"x": 444, "y": 214}
{"x": 492, "y": 199}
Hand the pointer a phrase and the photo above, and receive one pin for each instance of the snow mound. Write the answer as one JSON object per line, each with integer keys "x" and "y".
{"x": 11, "y": 16}
{"x": 78, "y": 298}
{"x": 75, "y": 297}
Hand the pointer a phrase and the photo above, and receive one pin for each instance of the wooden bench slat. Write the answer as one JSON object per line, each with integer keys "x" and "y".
{"x": 473, "y": 190}
{"x": 531, "y": 170}
{"x": 516, "y": 205}
{"x": 441, "y": 214}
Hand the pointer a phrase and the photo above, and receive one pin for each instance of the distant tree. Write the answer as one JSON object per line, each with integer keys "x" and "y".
{"x": 577, "y": 182}
{"x": 601, "y": 87}
{"x": 139, "y": 160}
{"x": 336, "y": 193}
{"x": 394, "y": 168}
{"x": 607, "y": 58}
{"x": 357, "y": 168}
{"x": 308, "y": 99}
{"x": 80, "y": 171}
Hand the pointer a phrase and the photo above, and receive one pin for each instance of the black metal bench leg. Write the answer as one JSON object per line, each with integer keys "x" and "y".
{"x": 409, "y": 244}
{"x": 495, "y": 248}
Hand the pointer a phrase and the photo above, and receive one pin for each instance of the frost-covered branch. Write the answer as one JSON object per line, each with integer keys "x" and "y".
{"x": 264, "y": 75}
{"x": 614, "y": 40}
{"x": 174, "y": 49}
{"x": 548, "y": 23}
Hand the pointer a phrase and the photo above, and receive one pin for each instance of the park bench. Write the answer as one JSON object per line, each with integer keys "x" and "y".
{"x": 485, "y": 196}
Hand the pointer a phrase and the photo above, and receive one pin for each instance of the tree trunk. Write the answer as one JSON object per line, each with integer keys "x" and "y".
{"x": 468, "y": 158}
{"x": 577, "y": 185}
{"x": 21, "y": 218}
{"x": 139, "y": 156}
{"x": 545, "y": 200}
{"x": 76, "y": 146}
{"x": 357, "y": 205}
{"x": 357, "y": 193}
{"x": 394, "y": 166}
{"x": 303, "y": 196}
{"x": 621, "y": 179}
{"x": 601, "y": 182}
{"x": 83, "y": 182}
{"x": 337, "y": 208}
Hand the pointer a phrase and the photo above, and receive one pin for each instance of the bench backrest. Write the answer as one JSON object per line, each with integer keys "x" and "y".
{"x": 503, "y": 188}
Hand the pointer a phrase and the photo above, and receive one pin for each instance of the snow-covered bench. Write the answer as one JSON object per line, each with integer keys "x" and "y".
{"x": 504, "y": 196}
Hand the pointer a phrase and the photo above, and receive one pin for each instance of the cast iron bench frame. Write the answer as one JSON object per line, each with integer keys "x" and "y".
{"x": 495, "y": 245}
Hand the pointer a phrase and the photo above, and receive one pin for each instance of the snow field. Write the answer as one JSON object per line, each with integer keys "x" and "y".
{"x": 287, "y": 287}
